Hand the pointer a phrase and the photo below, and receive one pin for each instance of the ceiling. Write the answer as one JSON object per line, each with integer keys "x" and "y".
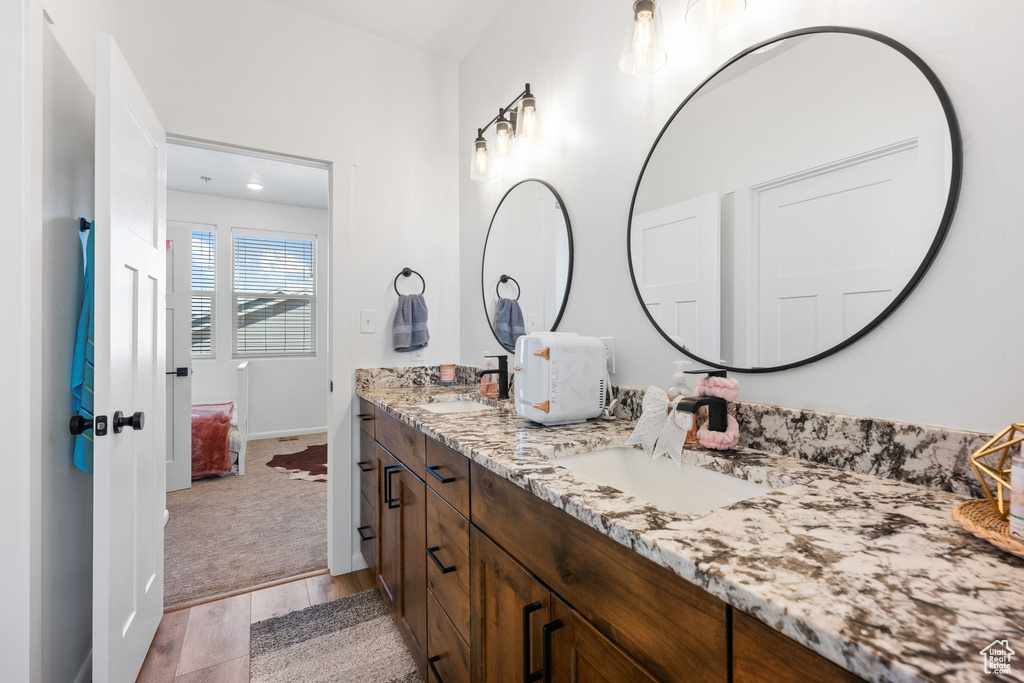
{"x": 446, "y": 28}
{"x": 284, "y": 182}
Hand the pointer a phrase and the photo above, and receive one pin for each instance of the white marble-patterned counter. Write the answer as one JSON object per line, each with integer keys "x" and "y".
{"x": 871, "y": 573}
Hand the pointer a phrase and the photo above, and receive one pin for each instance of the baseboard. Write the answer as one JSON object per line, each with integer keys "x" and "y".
{"x": 85, "y": 673}
{"x": 358, "y": 562}
{"x": 286, "y": 432}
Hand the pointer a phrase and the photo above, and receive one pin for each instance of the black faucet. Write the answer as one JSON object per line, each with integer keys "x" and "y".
{"x": 502, "y": 373}
{"x": 718, "y": 408}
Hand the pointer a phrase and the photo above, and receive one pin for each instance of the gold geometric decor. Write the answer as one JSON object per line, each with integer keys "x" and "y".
{"x": 992, "y": 461}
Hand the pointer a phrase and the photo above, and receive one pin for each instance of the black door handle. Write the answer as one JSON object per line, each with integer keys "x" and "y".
{"x": 433, "y": 669}
{"x": 392, "y": 501}
{"x": 79, "y": 425}
{"x": 529, "y": 676}
{"x": 549, "y": 628}
{"x": 136, "y": 421}
{"x": 444, "y": 480}
{"x": 440, "y": 565}
{"x": 359, "y": 530}
{"x": 179, "y": 372}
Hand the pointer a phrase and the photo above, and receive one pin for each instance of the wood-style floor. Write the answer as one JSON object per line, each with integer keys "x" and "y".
{"x": 210, "y": 642}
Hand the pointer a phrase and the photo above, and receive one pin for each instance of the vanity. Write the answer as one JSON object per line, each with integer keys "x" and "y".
{"x": 498, "y": 563}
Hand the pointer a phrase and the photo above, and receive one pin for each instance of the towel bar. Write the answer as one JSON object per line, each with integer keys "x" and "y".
{"x": 407, "y": 272}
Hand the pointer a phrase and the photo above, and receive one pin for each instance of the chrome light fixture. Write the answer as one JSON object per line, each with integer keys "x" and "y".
{"x": 642, "y": 53}
{"x": 480, "y": 161}
{"x": 707, "y": 15}
{"x": 516, "y": 123}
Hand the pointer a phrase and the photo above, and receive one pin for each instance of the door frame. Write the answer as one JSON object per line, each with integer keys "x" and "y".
{"x": 192, "y": 126}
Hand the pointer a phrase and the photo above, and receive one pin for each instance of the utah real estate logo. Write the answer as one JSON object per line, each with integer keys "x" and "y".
{"x": 996, "y": 657}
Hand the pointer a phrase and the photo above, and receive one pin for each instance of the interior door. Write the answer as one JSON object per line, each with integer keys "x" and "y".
{"x": 129, "y": 479}
{"x": 179, "y": 357}
{"x": 676, "y": 256}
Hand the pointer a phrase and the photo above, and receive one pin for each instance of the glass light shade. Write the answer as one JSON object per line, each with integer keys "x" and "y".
{"x": 504, "y": 154}
{"x": 707, "y": 15}
{"x": 642, "y": 53}
{"x": 528, "y": 130}
{"x": 480, "y": 162}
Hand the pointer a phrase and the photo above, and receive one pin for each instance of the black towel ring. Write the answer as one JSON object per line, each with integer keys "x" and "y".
{"x": 506, "y": 278}
{"x": 407, "y": 272}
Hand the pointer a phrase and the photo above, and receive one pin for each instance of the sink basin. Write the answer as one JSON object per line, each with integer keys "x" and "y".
{"x": 461, "y": 406}
{"x": 684, "y": 489}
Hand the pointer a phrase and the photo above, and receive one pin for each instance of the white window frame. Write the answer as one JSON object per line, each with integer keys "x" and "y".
{"x": 210, "y": 294}
{"x": 235, "y": 296}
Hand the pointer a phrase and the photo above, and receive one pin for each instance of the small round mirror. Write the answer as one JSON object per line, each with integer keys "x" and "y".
{"x": 527, "y": 262}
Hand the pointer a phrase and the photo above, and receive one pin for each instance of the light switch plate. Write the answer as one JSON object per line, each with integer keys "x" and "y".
{"x": 609, "y": 343}
{"x": 367, "y": 321}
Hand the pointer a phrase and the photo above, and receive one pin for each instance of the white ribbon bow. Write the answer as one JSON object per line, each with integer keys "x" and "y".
{"x": 661, "y": 429}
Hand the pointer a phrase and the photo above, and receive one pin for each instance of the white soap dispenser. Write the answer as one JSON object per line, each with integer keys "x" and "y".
{"x": 680, "y": 387}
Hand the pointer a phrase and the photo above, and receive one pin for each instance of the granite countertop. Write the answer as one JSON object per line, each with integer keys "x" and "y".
{"x": 871, "y": 573}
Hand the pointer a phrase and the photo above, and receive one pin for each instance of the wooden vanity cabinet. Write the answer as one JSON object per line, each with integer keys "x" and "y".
{"x": 763, "y": 655}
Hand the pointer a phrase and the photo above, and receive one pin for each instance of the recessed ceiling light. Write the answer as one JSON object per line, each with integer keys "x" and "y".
{"x": 254, "y": 186}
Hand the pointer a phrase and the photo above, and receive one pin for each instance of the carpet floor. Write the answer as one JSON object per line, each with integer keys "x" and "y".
{"x": 227, "y": 533}
{"x": 348, "y": 640}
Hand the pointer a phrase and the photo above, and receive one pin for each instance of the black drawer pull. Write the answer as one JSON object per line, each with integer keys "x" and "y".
{"x": 440, "y": 565}
{"x": 364, "y": 417}
{"x": 433, "y": 669}
{"x": 529, "y": 676}
{"x": 548, "y": 630}
{"x": 444, "y": 480}
{"x": 392, "y": 501}
{"x": 359, "y": 529}
{"x": 365, "y": 466}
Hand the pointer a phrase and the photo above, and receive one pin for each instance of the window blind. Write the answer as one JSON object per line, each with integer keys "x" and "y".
{"x": 203, "y": 282}
{"x": 274, "y": 296}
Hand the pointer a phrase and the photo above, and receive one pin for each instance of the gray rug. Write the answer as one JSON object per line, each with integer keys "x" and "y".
{"x": 235, "y": 532}
{"x": 352, "y": 639}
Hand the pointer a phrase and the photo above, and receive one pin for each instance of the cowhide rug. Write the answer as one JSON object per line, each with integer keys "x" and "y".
{"x": 310, "y": 464}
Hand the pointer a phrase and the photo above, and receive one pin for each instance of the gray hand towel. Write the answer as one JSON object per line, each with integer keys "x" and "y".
{"x": 409, "y": 331}
{"x": 508, "y": 323}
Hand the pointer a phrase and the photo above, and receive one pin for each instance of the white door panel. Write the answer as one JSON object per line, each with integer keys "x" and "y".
{"x": 129, "y": 485}
{"x": 179, "y": 355}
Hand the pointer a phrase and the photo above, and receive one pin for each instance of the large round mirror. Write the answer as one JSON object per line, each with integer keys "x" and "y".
{"x": 794, "y": 199}
{"x": 527, "y": 263}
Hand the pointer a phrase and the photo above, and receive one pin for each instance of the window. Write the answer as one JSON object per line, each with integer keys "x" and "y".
{"x": 202, "y": 293}
{"x": 274, "y": 296}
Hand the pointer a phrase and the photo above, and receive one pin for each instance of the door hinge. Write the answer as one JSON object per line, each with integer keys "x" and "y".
{"x": 101, "y": 426}
{"x": 331, "y": 387}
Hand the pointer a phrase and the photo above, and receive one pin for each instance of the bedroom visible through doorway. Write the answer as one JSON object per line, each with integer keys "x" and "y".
{"x": 247, "y": 346}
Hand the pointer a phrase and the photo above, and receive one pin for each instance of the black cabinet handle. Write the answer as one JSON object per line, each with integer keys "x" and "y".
{"x": 365, "y": 466}
{"x": 392, "y": 501}
{"x": 440, "y": 565}
{"x": 444, "y": 480}
{"x": 359, "y": 530}
{"x": 529, "y": 676}
{"x": 548, "y": 630}
{"x": 364, "y": 417}
{"x": 433, "y": 669}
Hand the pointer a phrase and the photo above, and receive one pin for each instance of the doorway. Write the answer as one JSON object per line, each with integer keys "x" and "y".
{"x": 248, "y": 341}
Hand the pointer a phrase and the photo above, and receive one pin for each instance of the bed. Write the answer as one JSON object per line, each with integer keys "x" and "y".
{"x": 220, "y": 431}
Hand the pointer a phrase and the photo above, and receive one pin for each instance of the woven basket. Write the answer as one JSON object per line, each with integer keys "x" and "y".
{"x": 981, "y": 519}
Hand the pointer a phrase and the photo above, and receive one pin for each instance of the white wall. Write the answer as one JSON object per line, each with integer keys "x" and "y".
{"x": 287, "y": 395}
{"x": 601, "y": 125}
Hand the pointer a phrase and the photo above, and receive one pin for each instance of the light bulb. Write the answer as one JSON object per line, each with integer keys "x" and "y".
{"x": 641, "y": 53}
{"x": 480, "y": 162}
{"x": 528, "y": 129}
{"x": 504, "y": 155}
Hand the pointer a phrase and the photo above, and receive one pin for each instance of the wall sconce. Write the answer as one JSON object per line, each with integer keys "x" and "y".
{"x": 641, "y": 50}
{"x": 708, "y": 15}
{"x": 516, "y": 123}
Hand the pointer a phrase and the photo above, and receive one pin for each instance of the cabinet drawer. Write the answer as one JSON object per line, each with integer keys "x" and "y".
{"x": 672, "y": 627}
{"x": 367, "y": 466}
{"x": 448, "y": 560}
{"x": 447, "y": 652}
{"x": 760, "y": 653}
{"x": 402, "y": 441}
{"x": 366, "y": 414}
{"x": 448, "y": 474}
{"x": 367, "y": 532}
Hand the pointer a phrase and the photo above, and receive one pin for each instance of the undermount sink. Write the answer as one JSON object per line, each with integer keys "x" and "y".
{"x": 684, "y": 489}
{"x": 460, "y": 406}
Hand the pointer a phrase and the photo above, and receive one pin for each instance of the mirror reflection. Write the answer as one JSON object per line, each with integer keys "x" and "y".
{"x": 792, "y": 199}
{"x": 527, "y": 262}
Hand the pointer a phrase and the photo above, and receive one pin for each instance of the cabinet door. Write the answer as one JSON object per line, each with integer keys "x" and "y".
{"x": 576, "y": 652}
{"x": 367, "y": 466}
{"x": 509, "y": 609}
{"x": 389, "y": 528}
{"x": 413, "y": 603}
{"x": 763, "y": 655}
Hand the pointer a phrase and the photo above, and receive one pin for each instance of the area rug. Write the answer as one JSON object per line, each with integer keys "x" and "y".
{"x": 309, "y": 465}
{"x": 351, "y": 639}
{"x": 227, "y": 533}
